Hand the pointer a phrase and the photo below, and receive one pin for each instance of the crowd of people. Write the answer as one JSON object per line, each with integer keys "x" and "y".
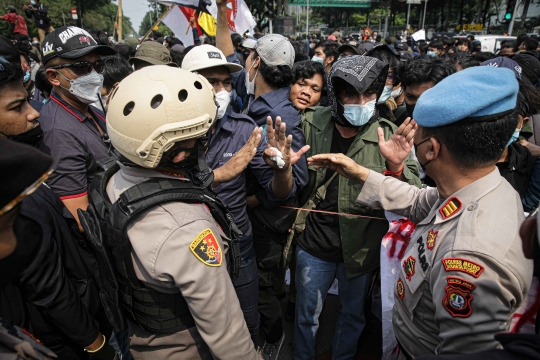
{"x": 155, "y": 195}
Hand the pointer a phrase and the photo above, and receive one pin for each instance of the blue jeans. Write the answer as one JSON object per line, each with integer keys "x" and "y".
{"x": 247, "y": 290}
{"x": 314, "y": 277}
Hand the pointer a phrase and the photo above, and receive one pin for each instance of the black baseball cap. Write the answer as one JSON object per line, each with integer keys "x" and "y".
{"x": 71, "y": 42}
{"x": 402, "y": 47}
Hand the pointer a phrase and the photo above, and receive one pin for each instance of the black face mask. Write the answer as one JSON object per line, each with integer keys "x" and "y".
{"x": 410, "y": 108}
{"x": 31, "y": 137}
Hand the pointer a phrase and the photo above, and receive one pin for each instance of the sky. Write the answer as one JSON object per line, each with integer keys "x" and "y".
{"x": 135, "y": 10}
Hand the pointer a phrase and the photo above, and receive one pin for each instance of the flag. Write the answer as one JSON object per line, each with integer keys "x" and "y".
{"x": 200, "y": 5}
{"x": 177, "y": 21}
{"x": 419, "y": 35}
{"x": 208, "y": 24}
{"x": 238, "y": 15}
{"x": 191, "y": 13}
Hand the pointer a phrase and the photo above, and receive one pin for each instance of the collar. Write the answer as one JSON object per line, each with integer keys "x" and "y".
{"x": 273, "y": 98}
{"x": 224, "y": 123}
{"x": 55, "y": 98}
{"x": 466, "y": 198}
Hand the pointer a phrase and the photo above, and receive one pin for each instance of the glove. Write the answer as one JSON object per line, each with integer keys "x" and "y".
{"x": 278, "y": 158}
{"x": 106, "y": 352}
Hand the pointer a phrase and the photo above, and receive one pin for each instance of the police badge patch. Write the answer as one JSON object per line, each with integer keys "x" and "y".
{"x": 458, "y": 297}
{"x": 409, "y": 266}
{"x": 431, "y": 238}
{"x": 400, "y": 289}
{"x": 206, "y": 248}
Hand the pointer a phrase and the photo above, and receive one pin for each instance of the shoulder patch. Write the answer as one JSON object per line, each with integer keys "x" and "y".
{"x": 463, "y": 265}
{"x": 409, "y": 266}
{"x": 206, "y": 248}
{"x": 452, "y": 206}
{"x": 431, "y": 238}
{"x": 400, "y": 289}
{"x": 458, "y": 297}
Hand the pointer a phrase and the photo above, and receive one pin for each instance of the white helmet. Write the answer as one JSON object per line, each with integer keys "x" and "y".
{"x": 155, "y": 107}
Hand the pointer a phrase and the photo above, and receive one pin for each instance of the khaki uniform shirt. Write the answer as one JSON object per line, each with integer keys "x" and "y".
{"x": 163, "y": 260}
{"x": 464, "y": 273}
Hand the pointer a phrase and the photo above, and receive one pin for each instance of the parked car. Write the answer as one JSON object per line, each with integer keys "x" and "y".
{"x": 492, "y": 43}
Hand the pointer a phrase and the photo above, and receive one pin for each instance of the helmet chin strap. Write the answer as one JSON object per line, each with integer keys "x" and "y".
{"x": 201, "y": 175}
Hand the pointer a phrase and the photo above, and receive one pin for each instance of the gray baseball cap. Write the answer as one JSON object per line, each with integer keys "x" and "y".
{"x": 275, "y": 50}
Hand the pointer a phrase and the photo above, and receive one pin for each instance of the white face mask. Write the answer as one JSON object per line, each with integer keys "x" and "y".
{"x": 223, "y": 98}
{"x": 250, "y": 85}
{"x": 86, "y": 88}
{"x": 387, "y": 92}
{"x": 396, "y": 93}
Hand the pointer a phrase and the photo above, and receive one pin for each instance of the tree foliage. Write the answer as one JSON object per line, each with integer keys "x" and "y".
{"x": 96, "y": 15}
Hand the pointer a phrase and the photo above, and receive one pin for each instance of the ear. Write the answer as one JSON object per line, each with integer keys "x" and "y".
{"x": 525, "y": 121}
{"x": 257, "y": 62}
{"x": 434, "y": 149}
{"x": 330, "y": 59}
{"x": 52, "y": 76}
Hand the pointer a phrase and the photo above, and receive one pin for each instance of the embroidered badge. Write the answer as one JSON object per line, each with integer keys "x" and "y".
{"x": 431, "y": 238}
{"x": 206, "y": 248}
{"x": 400, "y": 288}
{"x": 463, "y": 265}
{"x": 409, "y": 267}
{"x": 451, "y": 207}
{"x": 458, "y": 297}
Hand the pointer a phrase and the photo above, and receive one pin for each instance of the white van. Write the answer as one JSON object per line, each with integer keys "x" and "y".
{"x": 492, "y": 43}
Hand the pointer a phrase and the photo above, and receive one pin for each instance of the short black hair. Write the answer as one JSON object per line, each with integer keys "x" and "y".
{"x": 276, "y": 76}
{"x": 530, "y": 44}
{"x": 464, "y": 41}
{"x": 425, "y": 70}
{"x": 509, "y": 44}
{"x": 521, "y": 38}
{"x": 299, "y": 51}
{"x": 447, "y": 41}
{"x": 11, "y": 75}
{"x": 436, "y": 45}
{"x": 423, "y": 48}
{"x": 176, "y": 57}
{"x": 532, "y": 96}
{"x": 484, "y": 56}
{"x": 464, "y": 61}
{"x": 236, "y": 39}
{"x": 474, "y": 145}
{"x": 330, "y": 48}
{"x": 42, "y": 82}
{"x": 115, "y": 70}
{"x": 307, "y": 70}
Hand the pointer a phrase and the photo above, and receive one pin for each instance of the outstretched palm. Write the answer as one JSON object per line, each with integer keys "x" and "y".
{"x": 396, "y": 149}
{"x": 278, "y": 139}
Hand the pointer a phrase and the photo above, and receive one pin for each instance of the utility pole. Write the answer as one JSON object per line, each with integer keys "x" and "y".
{"x": 119, "y": 20}
{"x": 307, "y": 19}
{"x": 461, "y": 18}
{"x": 408, "y": 14}
{"x": 511, "y": 26}
{"x": 423, "y": 21}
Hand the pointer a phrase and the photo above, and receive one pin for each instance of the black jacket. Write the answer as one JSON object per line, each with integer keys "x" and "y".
{"x": 40, "y": 16}
{"x": 519, "y": 167}
{"x": 57, "y": 285}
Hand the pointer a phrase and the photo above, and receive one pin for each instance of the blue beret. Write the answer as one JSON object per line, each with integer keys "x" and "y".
{"x": 480, "y": 93}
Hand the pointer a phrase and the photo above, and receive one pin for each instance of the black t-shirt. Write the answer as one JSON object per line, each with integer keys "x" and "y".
{"x": 321, "y": 238}
{"x": 519, "y": 167}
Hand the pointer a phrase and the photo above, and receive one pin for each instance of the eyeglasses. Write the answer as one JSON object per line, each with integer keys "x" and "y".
{"x": 80, "y": 68}
{"x": 29, "y": 190}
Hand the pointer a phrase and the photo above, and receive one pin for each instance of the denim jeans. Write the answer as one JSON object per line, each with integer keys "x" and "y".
{"x": 314, "y": 277}
{"x": 247, "y": 290}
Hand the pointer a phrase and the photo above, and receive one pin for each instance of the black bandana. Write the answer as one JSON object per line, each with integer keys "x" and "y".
{"x": 360, "y": 72}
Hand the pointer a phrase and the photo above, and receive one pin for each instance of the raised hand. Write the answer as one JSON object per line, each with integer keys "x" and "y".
{"x": 398, "y": 147}
{"x": 236, "y": 164}
{"x": 277, "y": 139}
{"x": 340, "y": 163}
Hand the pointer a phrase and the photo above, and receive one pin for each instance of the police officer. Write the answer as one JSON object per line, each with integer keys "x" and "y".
{"x": 464, "y": 272}
{"x": 171, "y": 257}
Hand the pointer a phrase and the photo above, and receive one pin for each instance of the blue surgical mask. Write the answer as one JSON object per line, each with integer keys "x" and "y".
{"x": 514, "y": 137}
{"x": 431, "y": 53}
{"x": 359, "y": 115}
{"x": 26, "y": 76}
{"x": 317, "y": 59}
{"x": 33, "y": 2}
{"x": 387, "y": 92}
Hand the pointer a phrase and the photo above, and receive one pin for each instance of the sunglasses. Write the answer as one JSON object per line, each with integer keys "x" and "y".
{"x": 83, "y": 67}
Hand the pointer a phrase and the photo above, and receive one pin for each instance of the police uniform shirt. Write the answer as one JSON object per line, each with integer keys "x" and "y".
{"x": 463, "y": 274}
{"x": 178, "y": 247}
{"x": 75, "y": 144}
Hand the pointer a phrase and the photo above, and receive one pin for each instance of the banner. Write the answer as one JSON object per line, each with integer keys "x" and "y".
{"x": 179, "y": 24}
{"x": 200, "y": 5}
{"x": 238, "y": 15}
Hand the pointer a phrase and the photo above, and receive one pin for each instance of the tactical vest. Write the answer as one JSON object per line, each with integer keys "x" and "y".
{"x": 153, "y": 311}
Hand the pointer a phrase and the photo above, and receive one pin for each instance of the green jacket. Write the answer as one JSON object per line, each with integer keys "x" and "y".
{"x": 360, "y": 237}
